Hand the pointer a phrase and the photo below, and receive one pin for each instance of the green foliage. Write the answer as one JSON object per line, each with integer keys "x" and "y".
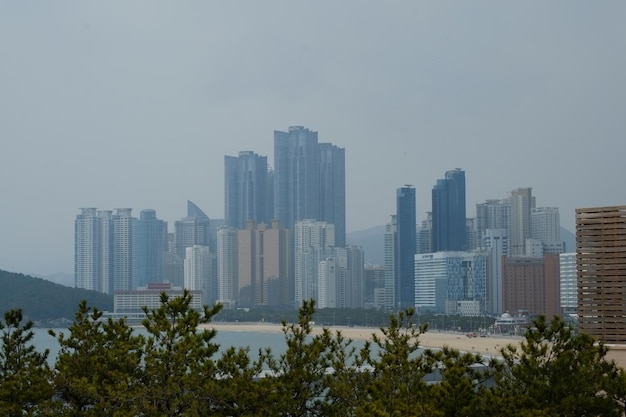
{"x": 96, "y": 371}
{"x": 461, "y": 389}
{"x": 397, "y": 386}
{"x": 346, "y": 386}
{"x": 24, "y": 372}
{"x": 240, "y": 391}
{"x": 105, "y": 369}
{"x": 556, "y": 372}
{"x": 301, "y": 375}
{"x": 179, "y": 372}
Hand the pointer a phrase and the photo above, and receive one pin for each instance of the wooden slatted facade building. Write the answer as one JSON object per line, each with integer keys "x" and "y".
{"x": 601, "y": 272}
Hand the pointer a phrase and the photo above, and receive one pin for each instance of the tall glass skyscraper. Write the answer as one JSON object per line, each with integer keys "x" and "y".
{"x": 296, "y": 171}
{"x": 333, "y": 189}
{"x": 449, "y": 231}
{"x": 309, "y": 180}
{"x": 149, "y": 244}
{"x": 194, "y": 211}
{"x": 246, "y": 191}
{"x": 406, "y": 247}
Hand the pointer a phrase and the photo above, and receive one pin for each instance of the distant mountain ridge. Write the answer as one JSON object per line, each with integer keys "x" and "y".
{"x": 372, "y": 240}
{"x": 43, "y": 301}
{"x": 58, "y": 278}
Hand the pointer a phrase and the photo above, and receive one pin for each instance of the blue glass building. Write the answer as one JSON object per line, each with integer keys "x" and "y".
{"x": 246, "y": 191}
{"x": 194, "y": 211}
{"x": 296, "y": 175}
{"x": 309, "y": 180}
{"x": 149, "y": 244}
{"x": 333, "y": 189}
{"x": 406, "y": 247}
{"x": 449, "y": 231}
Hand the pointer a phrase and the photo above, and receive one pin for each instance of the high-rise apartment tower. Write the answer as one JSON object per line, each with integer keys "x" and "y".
{"x": 309, "y": 180}
{"x": 265, "y": 265}
{"x": 149, "y": 244}
{"x": 93, "y": 260}
{"x": 522, "y": 202}
{"x": 227, "y": 267}
{"x": 448, "y": 210}
{"x": 314, "y": 241}
{"x": 122, "y": 249}
{"x": 406, "y": 247}
{"x": 246, "y": 192}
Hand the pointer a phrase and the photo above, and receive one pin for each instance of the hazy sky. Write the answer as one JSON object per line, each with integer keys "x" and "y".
{"x": 134, "y": 104}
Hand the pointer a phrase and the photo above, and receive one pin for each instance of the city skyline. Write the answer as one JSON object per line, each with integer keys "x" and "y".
{"x": 195, "y": 225}
{"x": 100, "y": 111}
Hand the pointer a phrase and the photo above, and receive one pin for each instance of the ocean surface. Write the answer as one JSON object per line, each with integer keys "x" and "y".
{"x": 253, "y": 340}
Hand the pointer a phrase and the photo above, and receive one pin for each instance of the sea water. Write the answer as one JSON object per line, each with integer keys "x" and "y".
{"x": 254, "y": 341}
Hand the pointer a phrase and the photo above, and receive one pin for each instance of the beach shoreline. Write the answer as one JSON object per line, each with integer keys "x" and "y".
{"x": 490, "y": 345}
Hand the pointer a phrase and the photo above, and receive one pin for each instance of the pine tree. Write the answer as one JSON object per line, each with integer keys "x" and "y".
{"x": 462, "y": 382}
{"x": 24, "y": 373}
{"x": 556, "y": 372}
{"x": 345, "y": 387}
{"x": 397, "y": 386}
{"x": 300, "y": 377}
{"x": 97, "y": 369}
{"x": 180, "y": 373}
{"x": 241, "y": 390}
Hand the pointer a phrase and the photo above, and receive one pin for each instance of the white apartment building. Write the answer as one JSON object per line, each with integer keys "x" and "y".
{"x": 496, "y": 242}
{"x": 568, "y": 283}
{"x": 313, "y": 243}
{"x": 198, "y": 267}
{"x": 227, "y": 267}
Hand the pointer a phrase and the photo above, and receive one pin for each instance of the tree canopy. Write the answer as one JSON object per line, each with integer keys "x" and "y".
{"x": 106, "y": 368}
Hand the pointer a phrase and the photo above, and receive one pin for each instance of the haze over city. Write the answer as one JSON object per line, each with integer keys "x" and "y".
{"x": 118, "y": 104}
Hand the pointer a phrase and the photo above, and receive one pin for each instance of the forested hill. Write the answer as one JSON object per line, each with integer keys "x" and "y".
{"x": 45, "y": 302}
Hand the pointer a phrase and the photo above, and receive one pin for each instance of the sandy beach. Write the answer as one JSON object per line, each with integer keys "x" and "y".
{"x": 489, "y": 345}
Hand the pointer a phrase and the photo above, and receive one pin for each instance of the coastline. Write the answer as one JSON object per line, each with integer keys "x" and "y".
{"x": 488, "y": 346}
